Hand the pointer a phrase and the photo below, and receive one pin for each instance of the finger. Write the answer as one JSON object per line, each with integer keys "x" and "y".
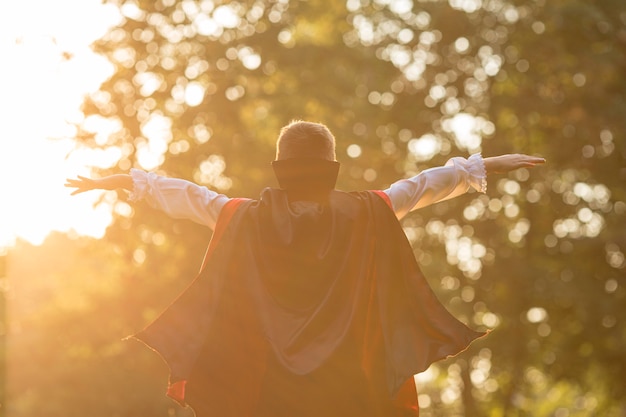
{"x": 531, "y": 164}
{"x": 531, "y": 161}
{"x": 84, "y": 180}
{"x": 72, "y": 185}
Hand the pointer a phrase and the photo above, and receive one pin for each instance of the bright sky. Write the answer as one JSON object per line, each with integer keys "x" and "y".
{"x": 40, "y": 92}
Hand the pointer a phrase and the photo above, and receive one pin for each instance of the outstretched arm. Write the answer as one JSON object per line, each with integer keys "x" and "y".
{"x": 179, "y": 199}
{"x": 455, "y": 178}
{"x": 111, "y": 182}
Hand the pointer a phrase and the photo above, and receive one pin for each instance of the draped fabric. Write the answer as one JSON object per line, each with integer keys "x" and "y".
{"x": 305, "y": 309}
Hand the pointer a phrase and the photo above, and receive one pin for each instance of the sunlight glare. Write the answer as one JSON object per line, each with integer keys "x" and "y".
{"x": 468, "y": 130}
{"x": 40, "y": 97}
{"x": 425, "y": 147}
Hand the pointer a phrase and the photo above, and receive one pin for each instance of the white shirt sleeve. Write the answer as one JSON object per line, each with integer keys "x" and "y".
{"x": 179, "y": 199}
{"x": 438, "y": 184}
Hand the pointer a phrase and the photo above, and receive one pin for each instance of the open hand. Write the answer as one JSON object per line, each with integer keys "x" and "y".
{"x": 110, "y": 182}
{"x": 505, "y": 163}
{"x": 82, "y": 184}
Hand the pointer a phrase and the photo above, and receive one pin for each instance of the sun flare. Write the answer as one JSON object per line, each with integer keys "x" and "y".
{"x": 52, "y": 68}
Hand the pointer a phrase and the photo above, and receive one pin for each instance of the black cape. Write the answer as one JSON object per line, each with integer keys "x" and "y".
{"x": 304, "y": 309}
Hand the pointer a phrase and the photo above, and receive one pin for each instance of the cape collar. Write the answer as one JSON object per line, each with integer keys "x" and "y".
{"x": 304, "y": 175}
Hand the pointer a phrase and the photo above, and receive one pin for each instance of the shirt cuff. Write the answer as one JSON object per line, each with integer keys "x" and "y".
{"x": 475, "y": 168}
{"x": 140, "y": 185}
{"x": 478, "y": 173}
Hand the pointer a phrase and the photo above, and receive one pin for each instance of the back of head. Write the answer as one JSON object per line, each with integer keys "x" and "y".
{"x": 305, "y": 163}
{"x": 300, "y": 139}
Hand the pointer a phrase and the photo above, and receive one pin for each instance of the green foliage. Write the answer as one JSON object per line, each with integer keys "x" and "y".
{"x": 540, "y": 258}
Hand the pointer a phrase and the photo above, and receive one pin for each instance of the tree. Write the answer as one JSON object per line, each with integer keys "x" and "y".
{"x": 201, "y": 89}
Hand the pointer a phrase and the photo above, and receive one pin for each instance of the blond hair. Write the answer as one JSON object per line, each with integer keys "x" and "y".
{"x": 300, "y": 139}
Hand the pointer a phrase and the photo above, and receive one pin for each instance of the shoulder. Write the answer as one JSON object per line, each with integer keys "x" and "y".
{"x": 376, "y": 197}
